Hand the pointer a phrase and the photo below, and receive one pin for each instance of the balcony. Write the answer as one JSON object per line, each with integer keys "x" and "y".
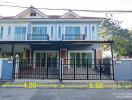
{"x": 20, "y": 37}
{"x": 37, "y": 37}
{"x": 73, "y": 37}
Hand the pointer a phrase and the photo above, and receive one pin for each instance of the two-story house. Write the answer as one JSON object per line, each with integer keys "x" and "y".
{"x": 45, "y": 42}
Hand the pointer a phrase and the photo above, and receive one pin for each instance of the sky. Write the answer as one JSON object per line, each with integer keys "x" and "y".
{"x": 125, "y": 18}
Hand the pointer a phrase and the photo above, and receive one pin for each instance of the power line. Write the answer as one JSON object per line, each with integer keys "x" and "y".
{"x": 65, "y": 9}
{"x": 8, "y": 2}
{"x": 14, "y": 6}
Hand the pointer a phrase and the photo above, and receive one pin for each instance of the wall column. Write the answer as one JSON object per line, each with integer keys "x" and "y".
{"x": 112, "y": 60}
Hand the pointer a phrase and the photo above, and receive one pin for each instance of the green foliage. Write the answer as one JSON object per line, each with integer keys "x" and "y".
{"x": 111, "y": 30}
{"x": 120, "y": 44}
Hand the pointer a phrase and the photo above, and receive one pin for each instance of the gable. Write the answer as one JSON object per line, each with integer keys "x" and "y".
{"x": 70, "y": 14}
{"x": 31, "y": 13}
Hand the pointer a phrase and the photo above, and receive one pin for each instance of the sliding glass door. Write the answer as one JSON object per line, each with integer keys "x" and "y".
{"x": 40, "y": 59}
{"x": 45, "y": 59}
{"x": 81, "y": 59}
{"x": 51, "y": 59}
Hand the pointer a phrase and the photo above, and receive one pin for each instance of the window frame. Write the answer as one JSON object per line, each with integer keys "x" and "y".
{"x": 1, "y": 31}
{"x": 87, "y": 34}
{"x": 52, "y": 32}
{"x": 9, "y": 30}
{"x": 93, "y": 34}
{"x": 33, "y": 14}
{"x": 81, "y": 52}
{"x": 59, "y": 35}
{"x": 73, "y": 30}
{"x": 39, "y": 26}
{"x": 73, "y": 25}
{"x": 22, "y": 32}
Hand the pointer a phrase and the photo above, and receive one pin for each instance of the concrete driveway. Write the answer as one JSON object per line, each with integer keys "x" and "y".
{"x": 64, "y": 94}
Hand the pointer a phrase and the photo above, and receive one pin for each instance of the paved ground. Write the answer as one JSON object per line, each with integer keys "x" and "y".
{"x": 65, "y": 94}
{"x": 43, "y": 93}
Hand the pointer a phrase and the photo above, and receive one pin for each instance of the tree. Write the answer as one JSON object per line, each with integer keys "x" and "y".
{"x": 111, "y": 30}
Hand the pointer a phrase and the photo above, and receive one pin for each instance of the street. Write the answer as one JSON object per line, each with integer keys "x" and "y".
{"x": 64, "y": 94}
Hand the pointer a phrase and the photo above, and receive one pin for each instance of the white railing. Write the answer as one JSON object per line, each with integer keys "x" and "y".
{"x": 20, "y": 37}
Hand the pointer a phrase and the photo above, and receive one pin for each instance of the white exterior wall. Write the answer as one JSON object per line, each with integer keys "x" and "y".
{"x": 5, "y": 26}
{"x": 6, "y": 37}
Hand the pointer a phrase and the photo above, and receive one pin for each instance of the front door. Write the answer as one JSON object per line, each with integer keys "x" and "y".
{"x": 40, "y": 58}
{"x": 81, "y": 59}
{"x": 47, "y": 64}
{"x": 45, "y": 59}
{"x": 51, "y": 59}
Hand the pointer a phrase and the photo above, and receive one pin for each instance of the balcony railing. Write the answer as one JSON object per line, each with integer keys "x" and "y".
{"x": 37, "y": 37}
{"x": 73, "y": 37}
{"x": 20, "y": 37}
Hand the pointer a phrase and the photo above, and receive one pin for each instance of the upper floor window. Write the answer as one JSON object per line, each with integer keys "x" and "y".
{"x": 1, "y": 32}
{"x": 85, "y": 31}
{"x": 20, "y": 30}
{"x": 9, "y": 30}
{"x": 59, "y": 32}
{"x": 52, "y": 31}
{"x": 72, "y": 30}
{"x": 39, "y": 30}
{"x": 32, "y": 14}
{"x": 93, "y": 31}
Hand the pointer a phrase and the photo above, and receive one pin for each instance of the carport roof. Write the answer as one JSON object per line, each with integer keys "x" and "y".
{"x": 52, "y": 42}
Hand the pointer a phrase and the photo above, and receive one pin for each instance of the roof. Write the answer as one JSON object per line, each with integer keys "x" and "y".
{"x": 68, "y": 15}
{"x": 56, "y": 17}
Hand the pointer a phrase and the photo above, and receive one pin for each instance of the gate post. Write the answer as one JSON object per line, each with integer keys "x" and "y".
{"x": 113, "y": 73}
{"x": 100, "y": 64}
{"x": 87, "y": 69}
{"x": 74, "y": 69}
{"x": 17, "y": 66}
{"x": 61, "y": 71}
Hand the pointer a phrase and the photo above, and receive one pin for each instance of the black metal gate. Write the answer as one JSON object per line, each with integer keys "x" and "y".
{"x": 88, "y": 69}
{"x": 37, "y": 68}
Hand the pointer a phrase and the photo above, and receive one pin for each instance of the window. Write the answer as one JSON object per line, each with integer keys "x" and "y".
{"x": 72, "y": 59}
{"x": 81, "y": 59}
{"x": 1, "y": 32}
{"x": 52, "y": 31}
{"x": 32, "y": 14}
{"x": 84, "y": 59}
{"x": 86, "y": 31}
{"x": 93, "y": 31}
{"x": 59, "y": 32}
{"x": 9, "y": 30}
{"x": 72, "y": 30}
{"x": 20, "y": 30}
{"x": 40, "y": 30}
{"x": 78, "y": 60}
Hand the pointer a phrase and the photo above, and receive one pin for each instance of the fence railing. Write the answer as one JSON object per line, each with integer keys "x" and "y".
{"x": 37, "y": 37}
{"x": 87, "y": 69}
{"x": 73, "y": 37}
{"x": 66, "y": 69}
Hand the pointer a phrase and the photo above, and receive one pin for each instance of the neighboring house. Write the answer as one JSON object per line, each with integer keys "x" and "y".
{"x": 44, "y": 41}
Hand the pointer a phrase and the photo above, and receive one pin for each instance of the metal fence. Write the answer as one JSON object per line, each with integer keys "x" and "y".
{"x": 66, "y": 69}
